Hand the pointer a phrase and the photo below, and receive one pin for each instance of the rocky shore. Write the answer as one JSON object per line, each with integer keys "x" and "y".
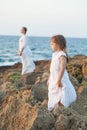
{"x": 23, "y": 99}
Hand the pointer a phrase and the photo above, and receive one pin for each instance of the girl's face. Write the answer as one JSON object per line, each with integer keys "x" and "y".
{"x": 22, "y": 31}
{"x": 54, "y": 46}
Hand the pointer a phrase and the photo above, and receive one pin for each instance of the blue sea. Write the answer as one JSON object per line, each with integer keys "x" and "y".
{"x": 40, "y": 47}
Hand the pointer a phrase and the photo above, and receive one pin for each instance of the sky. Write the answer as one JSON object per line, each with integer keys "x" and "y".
{"x": 44, "y": 17}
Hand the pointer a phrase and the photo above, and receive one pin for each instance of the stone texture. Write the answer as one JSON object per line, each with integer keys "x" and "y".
{"x": 23, "y": 99}
{"x": 18, "y": 115}
{"x": 68, "y": 119}
{"x": 40, "y": 91}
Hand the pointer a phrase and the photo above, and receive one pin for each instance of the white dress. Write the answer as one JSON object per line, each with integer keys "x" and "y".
{"x": 27, "y": 61}
{"x": 66, "y": 94}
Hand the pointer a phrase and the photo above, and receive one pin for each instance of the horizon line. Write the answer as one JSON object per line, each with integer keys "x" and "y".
{"x": 40, "y": 36}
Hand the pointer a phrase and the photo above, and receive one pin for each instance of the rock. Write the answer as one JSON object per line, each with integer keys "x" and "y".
{"x": 53, "y": 128}
{"x": 68, "y": 119}
{"x": 80, "y": 105}
{"x": 1, "y": 82}
{"x": 23, "y": 99}
{"x": 65, "y": 123}
{"x": 20, "y": 83}
{"x": 84, "y": 70}
{"x": 80, "y": 90}
{"x": 44, "y": 120}
{"x": 31, "y": 78}
{"x": 42, "y": 66}
{"x": 84, "y": 83}
{"x": 84, "y": 92}
{"x": 75, "y": 82}
{"x": 45, "y": 77}
{"x": 15, "y": 114}
{"x": 2, "y": 96}
{"x": 40, "y": 91}
{"x": 25, "y": 95}
{"x": 18, "y": 115}
{"x": 76, "y": 71}
{"x": 44, "y": 104}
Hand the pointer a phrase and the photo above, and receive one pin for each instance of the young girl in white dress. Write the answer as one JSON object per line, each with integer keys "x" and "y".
{"x": 24, "y": 51}
{"x": 60, "y": 88}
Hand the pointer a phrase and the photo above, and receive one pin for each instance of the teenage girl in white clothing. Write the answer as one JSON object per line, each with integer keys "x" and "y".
{"x": 25, "y": 53}
{"x": 60, "y": 88}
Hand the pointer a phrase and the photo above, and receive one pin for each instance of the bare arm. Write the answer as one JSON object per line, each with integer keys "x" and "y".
{"x": 21, "y": 47}
{"x": 20, "y": 52}
{"x": 63, "y": 63}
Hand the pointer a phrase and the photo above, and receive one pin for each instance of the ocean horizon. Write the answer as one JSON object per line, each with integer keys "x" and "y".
{"x": 40, "y": 46}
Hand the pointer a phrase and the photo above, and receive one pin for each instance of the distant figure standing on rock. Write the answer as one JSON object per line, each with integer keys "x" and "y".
{"x": 25, "y": 53}
{"x": 60, "y": 88}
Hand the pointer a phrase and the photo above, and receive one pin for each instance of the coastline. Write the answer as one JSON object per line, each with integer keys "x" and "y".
{"x": 24, "y": 98}
{"x": 70, "y": 57}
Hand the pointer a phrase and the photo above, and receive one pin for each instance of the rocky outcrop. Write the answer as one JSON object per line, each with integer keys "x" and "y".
{"x": 23, "y": 99}
{"x": 68, "y": 119}
{"x": 17, "y": 115}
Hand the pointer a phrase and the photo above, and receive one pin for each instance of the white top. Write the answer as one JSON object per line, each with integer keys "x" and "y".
{"x": 55, "y": 66}
{"x": 23, "y": 44}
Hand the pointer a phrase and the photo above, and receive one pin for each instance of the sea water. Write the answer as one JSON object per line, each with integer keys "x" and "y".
{"x": 40, "y": 47}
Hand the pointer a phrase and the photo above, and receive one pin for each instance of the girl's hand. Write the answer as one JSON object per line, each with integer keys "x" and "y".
{"x": 19, "y": 53}
{"x": 59, "y": 84}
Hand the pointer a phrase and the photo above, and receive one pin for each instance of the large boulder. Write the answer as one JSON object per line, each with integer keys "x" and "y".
{"x": 80, "y": 105}
{"x": 17, "y": 115}
{"x": 68, "y": 119}
{"x": 40, "y": 91}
